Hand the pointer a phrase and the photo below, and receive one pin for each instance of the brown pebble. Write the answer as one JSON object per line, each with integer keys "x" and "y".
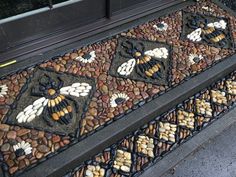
{"x": 56, "y": 146}
{"x": 10, "y": 163}
{"x": 21, "y": 164}
{"x": 13, "y": 170}
{"x": 23, "y": 132}
{"x": 56, "y": 139}
{"x": 4, "y": 127}
{"x": 5, "y": 147}
{"x": 1, "y": 134}
{"x": 214, "y": 50}
{"x": 39, "y": 155}
{"x": 104, "y": 89}
{"x": 16, "y": 88}
{"x": 93, "y": 112}
{"x": 73, "y": 55}
{"x": 27, "y": 162}
{"x": 66, "y": 141}
{"x": 90, "y": 123}
{"x": 41, "y": 134}
{"x": 57, "y": 68}
{"x": 105, "y": 98}
{"x": 11, "y": 135}
{"x": 43, "y": 148}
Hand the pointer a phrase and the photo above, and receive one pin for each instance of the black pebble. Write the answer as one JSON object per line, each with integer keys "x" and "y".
{"x": 20, "y": 152}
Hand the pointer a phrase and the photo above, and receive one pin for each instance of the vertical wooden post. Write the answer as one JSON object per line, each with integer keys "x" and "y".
{"x": 108, "y": 9}
{"x": 50, "y": 4}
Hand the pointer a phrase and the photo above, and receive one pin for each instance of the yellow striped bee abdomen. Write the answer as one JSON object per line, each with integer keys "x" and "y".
{"x": 150, "y": 67}
{"x": 216, "y": 36}
{"x": 209, "y": 30}
{"x": 60, "y": 110}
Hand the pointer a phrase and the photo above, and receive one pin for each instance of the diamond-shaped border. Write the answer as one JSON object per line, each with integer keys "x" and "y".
{"x": 135, "y": 76}
{"x": 183, "y": 35}
{"x": 7, "y": 120}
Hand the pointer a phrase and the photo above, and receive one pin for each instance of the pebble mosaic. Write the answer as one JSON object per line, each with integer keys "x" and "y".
{"x": 139, "y": 150}
{"x": 45, "y": 108}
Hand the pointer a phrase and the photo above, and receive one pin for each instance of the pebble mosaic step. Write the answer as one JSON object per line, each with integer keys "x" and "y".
{"x": 47, "y": 108}
{"x": 142, "y": 148}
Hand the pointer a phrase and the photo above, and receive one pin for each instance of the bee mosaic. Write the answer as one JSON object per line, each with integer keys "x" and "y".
{"x": 212, "y": 33}
{"x": 54, "y": 102}
{"x": 143, "y": 61}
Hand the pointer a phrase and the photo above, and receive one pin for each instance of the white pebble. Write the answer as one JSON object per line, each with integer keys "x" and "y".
{"x": 125, "y": 168}
{"x": 39, "y": 101}
{"x": 84, "y": 94}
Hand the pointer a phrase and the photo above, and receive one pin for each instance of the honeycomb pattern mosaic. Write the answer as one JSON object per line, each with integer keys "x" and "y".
{"x": 46, "y": 108}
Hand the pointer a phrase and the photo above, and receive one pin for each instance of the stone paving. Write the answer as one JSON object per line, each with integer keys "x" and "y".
{"x": 43, "y": 109}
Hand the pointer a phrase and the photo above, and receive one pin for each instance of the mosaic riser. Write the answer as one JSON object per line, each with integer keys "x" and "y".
{"x": 140, "y": 149}
{"x": 112, "y": 96}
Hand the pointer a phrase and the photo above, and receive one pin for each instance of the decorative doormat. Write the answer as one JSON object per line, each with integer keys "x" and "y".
{"x": 85, "y": 90}
{"x": 139, "y": 150}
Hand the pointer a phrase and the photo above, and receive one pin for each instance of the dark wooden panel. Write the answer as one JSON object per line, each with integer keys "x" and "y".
{"x": 3, "y": 39}
{"x": 65, "y": 32}
{"x": 117, "y": 5}
{"x": 124, "y": 5}
{"x": 51, "y": 21}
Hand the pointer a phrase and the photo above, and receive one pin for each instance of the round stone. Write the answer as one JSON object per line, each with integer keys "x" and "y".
{"x": 5, "y": 147}
{"x": 87, "y": 56}
{"x": 4, "y": 127}
{"x": 160, "y": 25}
{"x": 23, "y": 132}
{"x": 119, "y": 100}
{"x": 196, "y": 59}
{"x": 43, "y": 148}
{"x": 19, "y": 152}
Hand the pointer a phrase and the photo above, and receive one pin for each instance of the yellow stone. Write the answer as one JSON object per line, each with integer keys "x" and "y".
{"x": 51, "y": 91}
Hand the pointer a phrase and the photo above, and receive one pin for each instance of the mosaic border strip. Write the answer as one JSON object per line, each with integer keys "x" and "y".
{"x": 104, "y": 161}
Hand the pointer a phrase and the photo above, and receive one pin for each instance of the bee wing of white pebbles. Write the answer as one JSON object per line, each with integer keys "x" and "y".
{"x": 158, "y": 53}
{"x": 32, "y": 111}
{"x": 126, "y": 68}
{"x": 195, "y": 35}
{"x": 76, "y": 89}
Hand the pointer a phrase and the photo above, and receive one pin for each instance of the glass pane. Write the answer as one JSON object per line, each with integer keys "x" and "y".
{"x": 10, "y": 8}
{"x": 230, "y": 3}
{"x": 58, "y": 1}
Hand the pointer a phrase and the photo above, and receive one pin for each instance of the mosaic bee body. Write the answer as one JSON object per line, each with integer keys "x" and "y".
{"x": 214, "y": 35}
{"x": 54, "y": 102}
{"x": 144, "y": 62}
{"x": 59, "y": 108}
{"x": 148, "y": 66}
{"x": 210, "y": 32}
